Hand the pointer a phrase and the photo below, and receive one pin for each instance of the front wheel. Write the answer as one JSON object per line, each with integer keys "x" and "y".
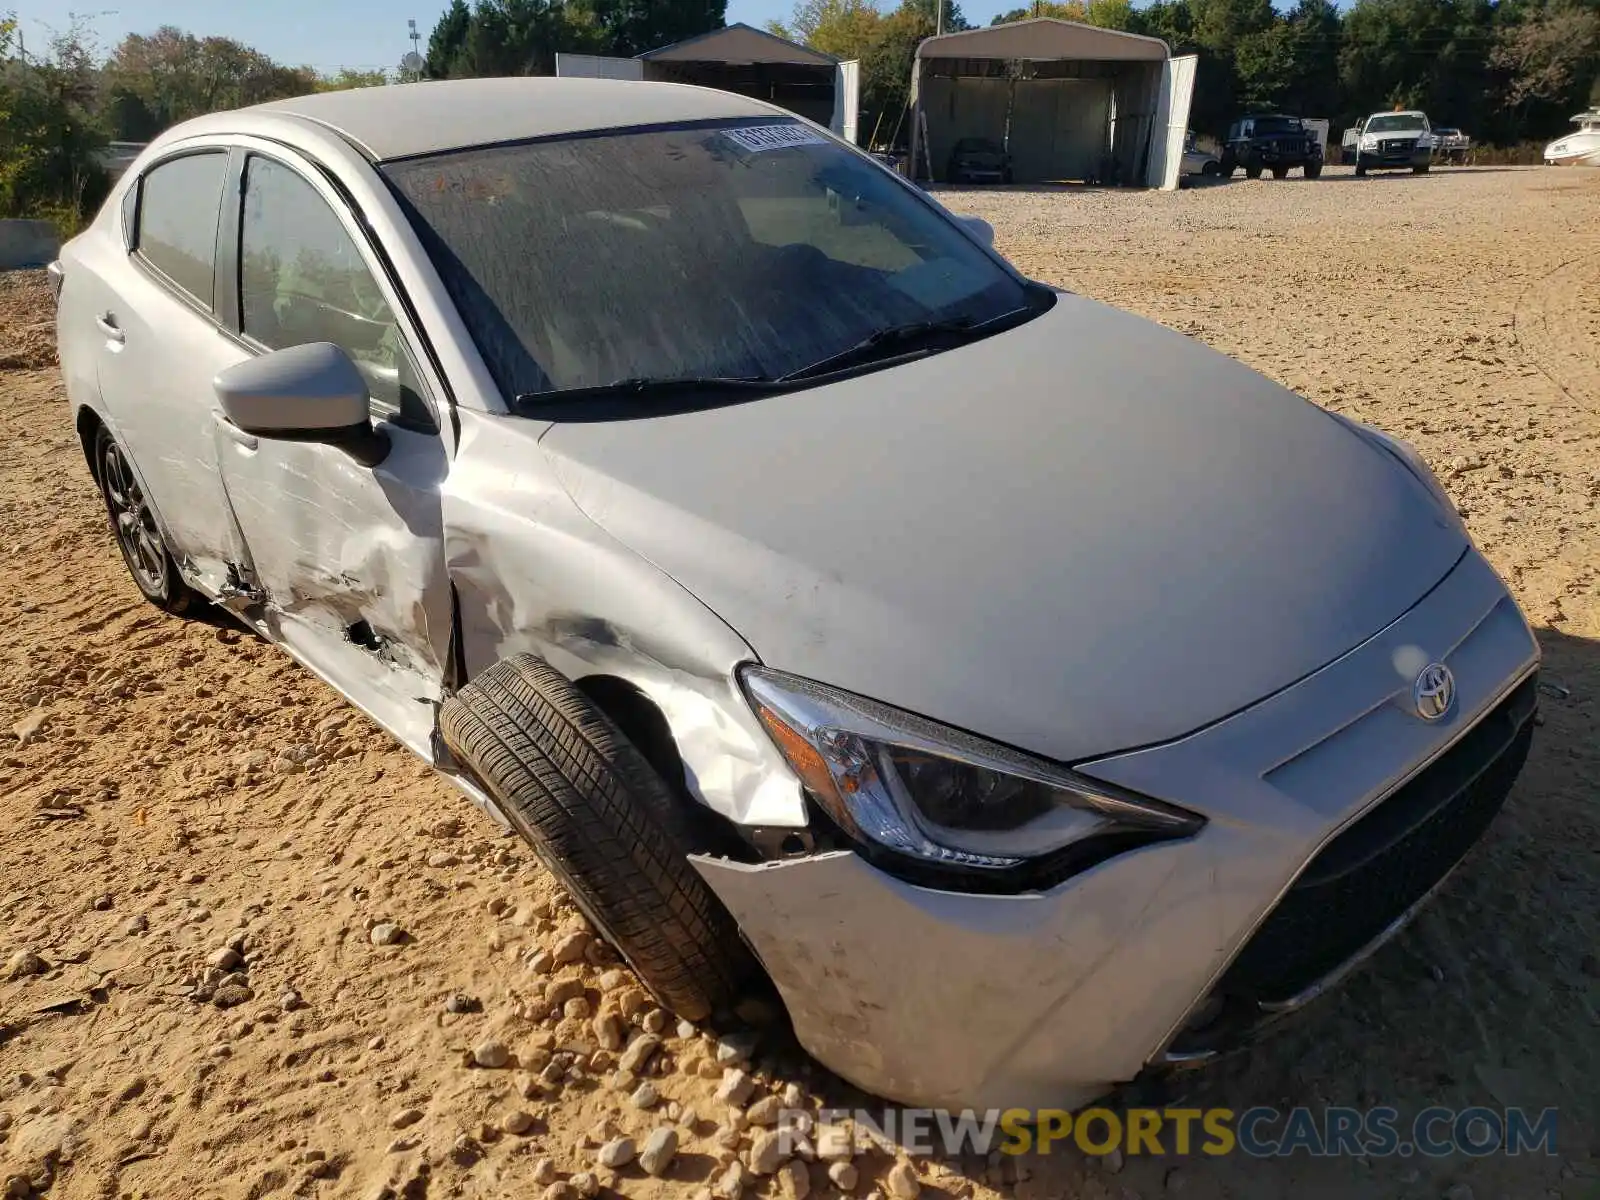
{"x": 1419, "y": 168}
{"x": 1313, "y": 170}
{"x": 1280, "y": 172}
{"x": 133, "y": 524}
{"x": 1361, "y": 167}
{"x": 1252, "y": 170}
{"x": 1210, "y": 170}
{"x": 605, "y": 825}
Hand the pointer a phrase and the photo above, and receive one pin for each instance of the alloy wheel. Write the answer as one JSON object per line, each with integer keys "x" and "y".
{"x": 133, "y": 523}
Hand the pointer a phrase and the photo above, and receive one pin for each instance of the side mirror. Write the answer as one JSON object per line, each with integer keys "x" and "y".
{"x": 310, "y": 393}
{"x": 979, "y": 228}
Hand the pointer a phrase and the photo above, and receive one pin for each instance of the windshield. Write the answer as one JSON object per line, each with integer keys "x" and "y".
{"x": 736, "y": 249}
{"x": 1277, "y": 125}
{"x": 1395, "y": 123}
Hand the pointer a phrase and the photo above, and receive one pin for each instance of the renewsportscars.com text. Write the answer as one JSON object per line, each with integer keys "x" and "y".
{"x": 1259, "y": 1132}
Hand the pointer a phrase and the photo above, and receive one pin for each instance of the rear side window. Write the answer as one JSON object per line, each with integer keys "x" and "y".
{"x": 178, "y": 205}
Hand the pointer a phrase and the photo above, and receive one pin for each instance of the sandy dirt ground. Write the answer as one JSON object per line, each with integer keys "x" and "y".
{"x": 197, "y": 837}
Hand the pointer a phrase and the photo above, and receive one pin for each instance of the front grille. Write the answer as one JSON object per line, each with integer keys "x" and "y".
{"x": 1396, "y": 145}
{"x": 1387, "y": 861}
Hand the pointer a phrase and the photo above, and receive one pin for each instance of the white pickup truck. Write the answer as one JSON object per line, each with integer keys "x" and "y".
{"x": 1388, "y": 141}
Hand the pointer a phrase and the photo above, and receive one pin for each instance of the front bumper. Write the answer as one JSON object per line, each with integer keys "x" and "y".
{"x": 1395, "y": 160}
{"x": 1275, "y": 156}
{"x": 1052, "y": 999}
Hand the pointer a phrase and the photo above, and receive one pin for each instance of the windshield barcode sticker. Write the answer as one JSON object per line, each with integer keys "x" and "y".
{"x": 756, "y": 138}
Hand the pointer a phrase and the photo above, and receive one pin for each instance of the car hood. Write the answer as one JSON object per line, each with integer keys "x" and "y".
{"x": 1085, "y": 534}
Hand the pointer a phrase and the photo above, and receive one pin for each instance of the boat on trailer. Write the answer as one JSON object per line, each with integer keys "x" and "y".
{"x": 1577, "y": 149}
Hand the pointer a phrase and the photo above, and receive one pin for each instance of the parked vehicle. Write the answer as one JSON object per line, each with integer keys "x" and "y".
{"x": 481, "y": 399}
{"x": 979, "y": 160}
{"x": 1273, "y": 142}
{"x": 1581, "y": 148}
{"x": 1395, "y": 141}
{"x": 1197, "y": 161}
{"x": 1450, "y": 145}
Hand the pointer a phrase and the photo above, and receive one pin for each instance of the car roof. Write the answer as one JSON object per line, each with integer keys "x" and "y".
{"x": 401, "y": 120}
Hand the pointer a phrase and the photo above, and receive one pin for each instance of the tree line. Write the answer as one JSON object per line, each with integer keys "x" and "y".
{"x": 63, "y": 103}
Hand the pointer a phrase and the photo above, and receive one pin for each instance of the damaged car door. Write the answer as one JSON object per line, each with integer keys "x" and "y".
{"x": 345, "y": 548}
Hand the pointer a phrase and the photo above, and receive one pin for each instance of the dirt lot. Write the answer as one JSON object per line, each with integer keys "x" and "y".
{"x": 173, "y": 786}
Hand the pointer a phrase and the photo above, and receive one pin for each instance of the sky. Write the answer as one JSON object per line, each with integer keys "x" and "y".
{"x": 349, "y": 33}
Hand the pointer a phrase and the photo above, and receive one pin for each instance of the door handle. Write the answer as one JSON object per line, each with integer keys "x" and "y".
{"x": 107, "y": 321}
{"x": 233, "y": 432}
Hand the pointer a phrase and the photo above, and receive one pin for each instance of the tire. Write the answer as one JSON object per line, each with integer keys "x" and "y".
{"x": 1280, "y": 172}
{"x": 1420, "y": 168}
{"x": 134, "y": 527}
{"x": 1313, "y": 170}
{"x": 1229, "y": 166}
{"x": 1252, "y": 170}
{"x": 1361, "y": 167}
{"x": 606, "y": 826}
{"x": 1210, "y": 170}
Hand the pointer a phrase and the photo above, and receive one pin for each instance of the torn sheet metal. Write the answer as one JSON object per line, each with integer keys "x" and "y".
{"x": 350, "y": 560}
{"x": 534, "y": 574}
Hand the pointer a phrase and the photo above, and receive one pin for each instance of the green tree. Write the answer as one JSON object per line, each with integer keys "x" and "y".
{"x": 843, "y": 28}
{"x": 630, "y": 27}
{"x": 1312, "y": 42}
{"x": 1111, "y": 14}
{"x": 447, "y": 42}
{"x": 1060, "y": 10}
{"x": 153, "y": 81}
{"x": 51, "y": 139}
{"x": 1550, "y": 59}
{"x": 348, "y": 77}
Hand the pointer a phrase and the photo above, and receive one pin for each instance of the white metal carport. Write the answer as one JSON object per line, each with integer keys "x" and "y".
{"x": 740, "y": 58}
{"x": 1068, "y": 101}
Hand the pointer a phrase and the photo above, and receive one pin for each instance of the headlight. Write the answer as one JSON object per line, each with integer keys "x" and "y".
{"x": 895, "y": 782}
{"x": 1412, "y": 461}
{"x": 1369, "y": 141}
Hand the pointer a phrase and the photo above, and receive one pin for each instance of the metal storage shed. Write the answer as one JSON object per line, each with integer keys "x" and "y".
{"x": 1069, "y": 101}
{"x": 749, "y": 61}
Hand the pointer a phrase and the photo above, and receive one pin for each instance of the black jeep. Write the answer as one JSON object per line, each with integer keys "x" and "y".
{"x": 1267, "y": 141}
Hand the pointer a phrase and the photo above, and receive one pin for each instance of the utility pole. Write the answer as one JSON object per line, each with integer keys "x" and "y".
{"x": 938, "y": 19}
{"x": 411, "y": 64}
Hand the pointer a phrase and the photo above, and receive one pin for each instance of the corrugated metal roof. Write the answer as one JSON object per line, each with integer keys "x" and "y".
{"x": 740, "y": 43}
{"x": 1045, "y": 39}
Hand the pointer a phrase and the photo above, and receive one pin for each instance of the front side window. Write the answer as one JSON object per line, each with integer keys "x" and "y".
{"x": 735, "y": 249}
{"x": 302, "y": 279}
{"x": 179, "y": 201}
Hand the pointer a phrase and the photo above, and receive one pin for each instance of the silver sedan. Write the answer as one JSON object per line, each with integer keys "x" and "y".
{"x": 1031, "y": 696}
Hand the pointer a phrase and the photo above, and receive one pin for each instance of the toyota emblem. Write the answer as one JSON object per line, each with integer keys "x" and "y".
{"x": 1434, "y": 692}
